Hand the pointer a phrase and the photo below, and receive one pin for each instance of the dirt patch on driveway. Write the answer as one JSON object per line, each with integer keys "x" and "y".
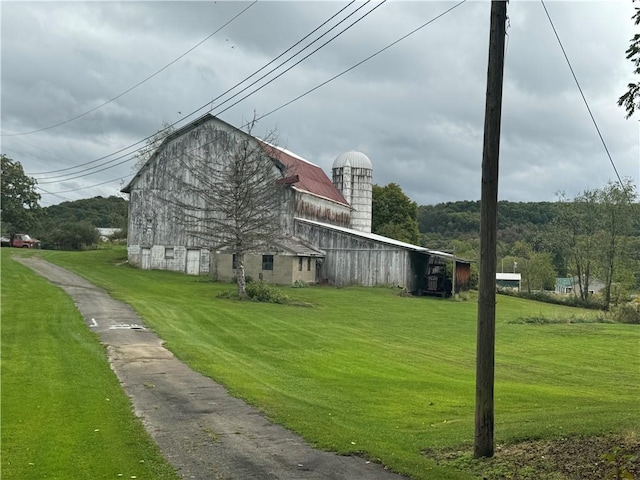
{"x": 202, "y": 431}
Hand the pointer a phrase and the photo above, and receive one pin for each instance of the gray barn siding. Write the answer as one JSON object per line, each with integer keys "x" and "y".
{"x": 300, "y": 204}
{"x": 352, "y": 260}
{"x": 152, "y": 213}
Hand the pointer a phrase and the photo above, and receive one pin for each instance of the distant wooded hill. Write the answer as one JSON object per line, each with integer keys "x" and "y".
{"x": 110, "y": 212}
{"x": 457, "y": 219}
{"x": 516, "y": 220}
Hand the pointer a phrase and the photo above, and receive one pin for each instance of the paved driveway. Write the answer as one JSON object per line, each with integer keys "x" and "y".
{"x": 203, "y": 431}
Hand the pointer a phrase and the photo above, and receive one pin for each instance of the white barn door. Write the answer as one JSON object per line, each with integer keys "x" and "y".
{"x": 193, "y": 262}
{"x": 146, "y": 259}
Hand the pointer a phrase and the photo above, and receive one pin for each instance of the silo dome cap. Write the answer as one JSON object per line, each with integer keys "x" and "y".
{"x": 352, "y": 159}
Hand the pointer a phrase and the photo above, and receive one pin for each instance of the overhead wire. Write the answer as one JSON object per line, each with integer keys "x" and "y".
{"x": 94, "y": 185}
{"x": 412, "y": 32}
{"x": 360, "y": 62}
{"x": 146, "y": 79}
{"x": 584, "y": 99}
{"x": 55, "y": 194}
{"x": 627, "y": 192}
{"x": 169, "y": 126}
{"x": 379, "y": 4}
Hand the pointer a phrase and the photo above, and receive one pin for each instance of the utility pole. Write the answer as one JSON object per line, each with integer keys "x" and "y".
{"x": 484, "y": 417}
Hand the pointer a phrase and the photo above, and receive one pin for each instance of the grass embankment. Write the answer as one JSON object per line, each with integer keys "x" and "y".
{"x": 64, "y": 414}
{"x": 368, "y": 371}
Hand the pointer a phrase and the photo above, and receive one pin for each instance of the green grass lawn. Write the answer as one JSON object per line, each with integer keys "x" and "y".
{"x": 366, "y": 370}
{"x": 64, "y": 414}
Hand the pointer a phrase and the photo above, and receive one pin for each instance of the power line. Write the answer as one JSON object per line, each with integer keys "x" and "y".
{"x": 360, "y": 62}
{"x": 137, "y": 84}
{"x": 67, "y": 207}
{"x": 412, "y": 32}
{"x": 198, "y": 109}
{"x": 74, "y": 176}
{"x": 297, "y": 63}
{"x": 292, "y": 47}
{"x": 582, "y": 94}
{"x": 92, "y": 186}
{"x": 57, "y": 194}
{"x": 627, "y": 192}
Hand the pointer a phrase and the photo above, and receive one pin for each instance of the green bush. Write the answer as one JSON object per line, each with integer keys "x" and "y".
{"x": 543, "y": 320}
{"x": 299, "y": 284}
{"x": 626, "y": 313}
{"x": 263, "y": 292}
{"x": 568, "y": 300}
{"x": 72, "y": 236}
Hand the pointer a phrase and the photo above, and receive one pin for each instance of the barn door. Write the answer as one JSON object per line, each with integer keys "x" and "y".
{"x": 146, "y": 259}
{"x": 193, "y": 262}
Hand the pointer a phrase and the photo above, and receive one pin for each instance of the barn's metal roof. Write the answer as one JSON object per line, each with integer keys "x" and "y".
{"x": 389, "y": 241}
{"x": 311, "y": 178}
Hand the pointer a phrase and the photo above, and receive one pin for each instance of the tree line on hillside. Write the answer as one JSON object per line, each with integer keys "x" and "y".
{"x": 592, "y": 236}
{"x": 72, "y": 225}
{"x": 69, "y": 225}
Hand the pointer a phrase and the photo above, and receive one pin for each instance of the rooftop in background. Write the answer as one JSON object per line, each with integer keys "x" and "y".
{"x": 508, "y": 276}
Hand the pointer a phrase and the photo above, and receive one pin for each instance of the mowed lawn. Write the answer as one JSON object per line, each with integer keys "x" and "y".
{"x": 366, "y": 370}
{"x": 64, "y": 414}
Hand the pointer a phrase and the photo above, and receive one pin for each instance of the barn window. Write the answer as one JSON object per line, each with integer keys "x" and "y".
{"x": 234, "y": 261}
{"x": 299, "y": 264}
{"x": 168, "y": 252}
{"x": 308, "y": 264}
{"x": 267, "y": 262}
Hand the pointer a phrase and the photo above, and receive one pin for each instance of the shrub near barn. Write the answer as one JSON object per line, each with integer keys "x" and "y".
{"x": 72, "y": 236}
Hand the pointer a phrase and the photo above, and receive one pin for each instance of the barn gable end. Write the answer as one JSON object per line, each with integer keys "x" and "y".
{"x": 323, "y": 236}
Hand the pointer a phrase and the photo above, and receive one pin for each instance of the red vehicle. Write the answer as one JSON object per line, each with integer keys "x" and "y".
{"x": 20, "y": 240}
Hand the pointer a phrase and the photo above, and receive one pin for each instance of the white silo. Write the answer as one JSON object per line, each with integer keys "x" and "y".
{"x": 353, "y": 176}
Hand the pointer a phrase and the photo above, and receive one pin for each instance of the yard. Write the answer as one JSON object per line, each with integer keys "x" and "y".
{"x": 364, "y": 370}
{"x": 64, "y": 414}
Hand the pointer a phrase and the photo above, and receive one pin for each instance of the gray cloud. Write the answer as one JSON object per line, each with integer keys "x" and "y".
{"x": 416, "y": 110}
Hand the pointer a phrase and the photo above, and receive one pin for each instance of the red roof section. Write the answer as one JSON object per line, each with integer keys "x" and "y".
{"x": 311, "y": 177}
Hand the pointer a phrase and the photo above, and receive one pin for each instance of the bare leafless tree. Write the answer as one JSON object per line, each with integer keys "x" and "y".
{"x": 230, "y": 198}
{"x": 151, "y": 145}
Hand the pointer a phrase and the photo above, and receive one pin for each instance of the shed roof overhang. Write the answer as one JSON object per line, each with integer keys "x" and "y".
{"x": 386, "y": 240}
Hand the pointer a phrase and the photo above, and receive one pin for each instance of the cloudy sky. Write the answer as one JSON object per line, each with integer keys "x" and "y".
{"x": 416, "y": 109}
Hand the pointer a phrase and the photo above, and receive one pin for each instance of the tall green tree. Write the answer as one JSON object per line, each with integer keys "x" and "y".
{"x": 615, "y": 203}
{"x": 19, "y": 199}
{"x": 575, "y": 236}
{"x": 536, "y": 268}
{"x": 394, "y": 215}
{"x": 72, "y": 236}
{"x": 630, "y": 100}
{"x": 594, "y": 231}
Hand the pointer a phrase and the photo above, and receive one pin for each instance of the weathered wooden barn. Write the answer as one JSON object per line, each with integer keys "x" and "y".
{"x": 325, "y": 226}
{"x": 362, "y": 258}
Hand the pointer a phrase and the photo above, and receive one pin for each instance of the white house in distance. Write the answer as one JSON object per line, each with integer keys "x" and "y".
{"x": 325, "y": 226}
{"x": 511, "y": 281}
{"x": 571, "y": 285}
